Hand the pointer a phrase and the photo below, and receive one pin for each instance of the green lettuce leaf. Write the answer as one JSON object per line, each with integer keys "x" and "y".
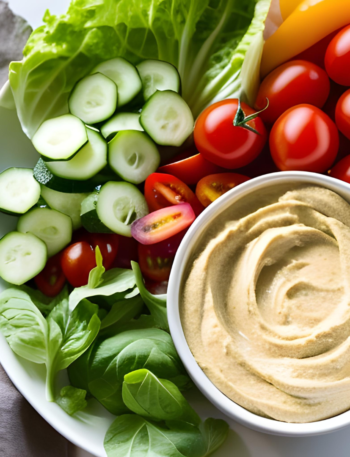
{"x": 205, "y": 39}
{"x": 72, "y": 400}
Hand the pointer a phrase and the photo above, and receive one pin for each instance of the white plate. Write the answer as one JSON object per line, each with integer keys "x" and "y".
{"x": 88, "y": 429}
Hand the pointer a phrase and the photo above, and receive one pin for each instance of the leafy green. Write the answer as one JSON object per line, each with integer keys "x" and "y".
{"x": 105, "y": 287}
{"x": 155, "y": 303}
{"x": 156, "y": 399}
{"x": 72, "y": 400}
{"x": 205, "y": 39}
{"x": 134, "y": 347}
{"x": 55, "y": 341}
{"x": 135, "y": 436}
{"x": 123, "y": 311}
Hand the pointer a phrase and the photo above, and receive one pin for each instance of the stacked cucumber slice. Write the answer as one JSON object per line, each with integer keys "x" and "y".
{"x": 91, "y": 161}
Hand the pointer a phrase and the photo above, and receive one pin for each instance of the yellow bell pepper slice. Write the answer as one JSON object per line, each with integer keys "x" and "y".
{"x": 311, "y": 21}
{"x": 288, "y": 6}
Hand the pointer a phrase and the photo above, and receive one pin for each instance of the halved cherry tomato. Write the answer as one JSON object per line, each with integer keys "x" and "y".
{"x": 213, "y": 186}
{"x": 337, "y": 59}
{"x": 192, "y": 169}
{"x": 126, "y": 253}
{"x": 304, "y": 138}
{"x": 77, "y": 261}
{"x": 107, "y": 242}
{"x": 162, "y": 190}
{"x": 342, "y": 170}
{"x": 163, "y": 224}
{"x": 51, "y": 280}
{"x": 156, "y": 287}
{"x": 224, "y": 144}
{"x": 291, "y": 84}
{"x": 342, "y": 114}
{"x": 155, "y": 260}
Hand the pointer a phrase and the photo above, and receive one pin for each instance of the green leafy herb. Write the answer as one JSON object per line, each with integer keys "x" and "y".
{"x": 156, "y": 399}
{"x": 105, "y": 287}
{"x": 207, "y": 41}
{"x": 133, "y": 348}
{"x": 72, "y": 400}
{"x": 135, "y": 436}
{"x": 55, "y": 341}
{"x": 155, "y": 303}
{"x": 215, "y": 432}
{"x": 123, "y": 311}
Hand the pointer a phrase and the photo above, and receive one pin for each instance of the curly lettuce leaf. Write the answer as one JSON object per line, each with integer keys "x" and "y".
{"x": 205, "y": 39}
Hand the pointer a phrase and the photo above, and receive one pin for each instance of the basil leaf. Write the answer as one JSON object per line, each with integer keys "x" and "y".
{"x": 72, "y": 400}
{"x": 215, "y": 432}
{"x": 156, "y": 399}
{"x": 155, "y": 303}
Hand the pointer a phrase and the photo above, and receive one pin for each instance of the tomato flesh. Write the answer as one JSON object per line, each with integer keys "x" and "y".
{"x": 212, "y": 187}
{"x": 52, "y": 279}
{"x": 163, "y": 190}
{"x": 192, "y": 169}
{"x": 224, "y": 144}
{"x": 304, "y": 138}
{"x": 291, "y": 84}
{"x": 342, "y": 114}
{"x": 337, "y": 59}
{"x": 163, "y": 224}
{"x": 77, "y": 261}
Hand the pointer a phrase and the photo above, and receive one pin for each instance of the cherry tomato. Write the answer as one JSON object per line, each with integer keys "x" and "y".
{"x": 77, "y": 261}
{"x": 291, "y": 84}
{"x": 107, "y": 242}
{"x": 342, "y": 114}
{"x": 156, "y": 260}
{"x": 192, "y": 169}
{"x": 213, "y": 186}
{"x": 156, "y": 287}
{"x": 51, "y": 280}
{"x": 163, "y": 224}
{"x": 162, "y": 190}
{"x": 304, "y": 138}
{"x": 223, "y": 143}
{"x": 126, "y": 253}
{"x": 342, "y": 170}
{"x": 337, "y": 59}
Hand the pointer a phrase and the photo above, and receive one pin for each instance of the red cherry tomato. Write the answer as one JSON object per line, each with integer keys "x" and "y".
{"x": 163, "y": 224}
{"x": 156, "y": 260}
{"x": 107, "y": 242}
{"x": 315, "y": 54}
{"x": 192, "y": 169}
{"x": 223, "y": 143}
{"x": 342, "y": 170}
{"x": 77, "y": 261}
{"x": 289, "y": 85}
{"x": 213, "y": 186}
{"x": 126, "y": 253}
{"x": 342, "y": 114}
{"x": 304, "y": 138}
{"x": 51, "y": 280}
{"x": 337, "y": 59}
{"x": 162, "y": 190}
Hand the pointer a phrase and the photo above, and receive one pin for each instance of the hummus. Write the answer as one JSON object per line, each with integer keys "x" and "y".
{"x": 266, "y": 304}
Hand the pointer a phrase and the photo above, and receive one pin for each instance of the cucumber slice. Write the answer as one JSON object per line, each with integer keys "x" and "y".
{"x": 69, "y": 204}
{"x": 119, "y": 122}
{"x": 116, "y": 207}
{"x": 18, "y": 191}
{"x": 125, "y": 76}
{"x": 94, "y": 99}
{"x": 158, "y": 75}
{"x": 89, "y": 217}
{"x": 44, "y": 176}
{"x": 60, "y": 138}
{"x": 167, "y": 119}
{"x": 91, "y": 159}
{"x": 52, "y": 227}
{"x": 133, "y": 156}
{"x": 22, "y": 257}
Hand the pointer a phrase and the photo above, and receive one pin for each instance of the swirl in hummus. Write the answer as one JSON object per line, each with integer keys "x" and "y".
{"x": 266, "y": 306}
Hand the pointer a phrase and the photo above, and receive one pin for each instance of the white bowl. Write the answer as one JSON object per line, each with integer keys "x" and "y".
{"x": 177, "y": 279}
